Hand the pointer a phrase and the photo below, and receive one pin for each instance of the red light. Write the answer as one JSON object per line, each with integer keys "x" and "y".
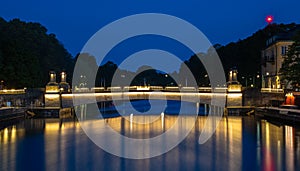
{"x": 269, "y": 19}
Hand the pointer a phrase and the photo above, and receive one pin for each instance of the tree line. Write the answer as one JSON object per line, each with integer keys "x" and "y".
{"x": 28, "y": 52}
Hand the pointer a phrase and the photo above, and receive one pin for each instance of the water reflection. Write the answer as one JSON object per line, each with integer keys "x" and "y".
{"x": 240, "y": 143}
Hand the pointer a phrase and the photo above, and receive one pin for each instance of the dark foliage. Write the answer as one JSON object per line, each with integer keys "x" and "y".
{"x": 290, "y": 70}
{"x": 28, "y": 53}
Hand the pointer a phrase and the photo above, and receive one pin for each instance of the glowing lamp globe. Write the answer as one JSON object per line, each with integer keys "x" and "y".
{"x": 269, "y": 19}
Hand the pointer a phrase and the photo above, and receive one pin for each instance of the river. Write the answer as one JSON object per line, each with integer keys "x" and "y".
{"x": 239, "y": 143}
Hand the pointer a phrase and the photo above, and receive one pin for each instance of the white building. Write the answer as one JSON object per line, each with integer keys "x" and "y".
{"x": 272, "y": 58}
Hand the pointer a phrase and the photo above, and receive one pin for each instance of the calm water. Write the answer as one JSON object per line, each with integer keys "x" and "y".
{"x": 240, "y": 143}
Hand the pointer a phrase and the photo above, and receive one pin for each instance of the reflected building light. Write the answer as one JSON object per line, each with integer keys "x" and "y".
{"x": 279, "y": 155}
{"x": 5, "y": 135}
{"x": 268, "y": 163}
{"x": 225, "y": 120}
{"x": 232, "y": 133}
{"x": 258, "y": 141}
{"x": 13, "y": 133}
{"x": 289, "y": 138}
{"x": 77, "y": 127}
{"x": 267, "y": 135}
{"x": 289, "y": 147}
{"x": 8, "y": 135}
{"x": 162, "y": 120}
{"x": 131, "y": 120}
{"x": 51, "y": 126}
{"x": 62, "y": 127}
{"x": 258, "y": 134}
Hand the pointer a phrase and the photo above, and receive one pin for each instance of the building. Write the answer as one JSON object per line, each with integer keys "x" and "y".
{"x": 272, "y": 58}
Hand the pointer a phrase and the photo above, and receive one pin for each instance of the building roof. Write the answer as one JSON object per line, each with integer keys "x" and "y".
{"x": 285, "y": 35}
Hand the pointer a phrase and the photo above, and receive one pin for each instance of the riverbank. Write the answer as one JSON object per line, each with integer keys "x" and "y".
{"x": 10, "y": 115}
{"x": 279, "y": 114}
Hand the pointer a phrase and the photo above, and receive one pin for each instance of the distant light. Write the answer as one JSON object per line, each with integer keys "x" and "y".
{"x": 269, "y": 19}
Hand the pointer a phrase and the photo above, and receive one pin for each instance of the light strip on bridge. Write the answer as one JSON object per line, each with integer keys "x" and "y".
{"x": 149, "y": 93}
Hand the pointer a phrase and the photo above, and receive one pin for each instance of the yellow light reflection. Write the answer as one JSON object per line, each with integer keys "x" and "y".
{"x": 131, "y": 120}
{"x": 13, "y": 133}
{"x": 267, "y": 135}
{"x": 162, "y": 120}
{"x": 289, "y": 136}
{"x": 5, "y": 135}
{"x": 8, "y": 135}
{"x": 289, "y": 147}
{"x": 52, "y": 126}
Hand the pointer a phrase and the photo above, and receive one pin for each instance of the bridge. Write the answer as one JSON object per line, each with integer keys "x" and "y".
{"x": 202, "y": 95}
{"x": 59, "y": 94}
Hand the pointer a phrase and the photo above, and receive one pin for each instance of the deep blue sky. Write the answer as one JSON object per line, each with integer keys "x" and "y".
{"x": 74, "y": 22}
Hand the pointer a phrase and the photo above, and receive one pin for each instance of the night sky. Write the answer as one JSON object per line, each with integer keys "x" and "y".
{"x": 74, "y": 22}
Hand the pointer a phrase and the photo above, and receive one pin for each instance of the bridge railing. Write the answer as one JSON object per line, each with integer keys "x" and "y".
{"x": 12, "y": 91}
{"x": 151, "y": 88}
{"x": 271, "y": 90}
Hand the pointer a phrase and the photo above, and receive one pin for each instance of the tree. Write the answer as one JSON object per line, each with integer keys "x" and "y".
{"x": 28, "y": 53}
{"x": 290, "y": 70}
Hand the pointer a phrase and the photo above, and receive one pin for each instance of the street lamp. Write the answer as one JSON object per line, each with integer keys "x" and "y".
{"x": 246, "y": 81}
{"x": 60, "y": 97}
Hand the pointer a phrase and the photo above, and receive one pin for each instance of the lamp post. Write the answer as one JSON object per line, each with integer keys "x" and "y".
{"x": 60, "y": 97}
{"x": 250, "y": 78}
{"x": 258, "y": 80}
{"x": 246, "y": 81}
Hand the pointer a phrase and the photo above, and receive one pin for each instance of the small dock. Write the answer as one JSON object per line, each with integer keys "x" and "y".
{"x": 11, "y": 113}
{"x": 49, "y": 112}
{"x": 276, "y": 113}
{"x": 239, "y": 110}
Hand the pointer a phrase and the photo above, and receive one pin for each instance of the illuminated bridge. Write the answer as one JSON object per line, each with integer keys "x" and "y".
{"x": 59, "y": 95}
{"x": 202, "y": 95}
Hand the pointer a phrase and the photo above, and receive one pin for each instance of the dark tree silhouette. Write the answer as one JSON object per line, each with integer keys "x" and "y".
{"x": 28, "y": 53}
{"x": 289, "y": 71}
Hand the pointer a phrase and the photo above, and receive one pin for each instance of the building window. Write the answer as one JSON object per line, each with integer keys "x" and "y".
{"x": 283, "y": 50}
